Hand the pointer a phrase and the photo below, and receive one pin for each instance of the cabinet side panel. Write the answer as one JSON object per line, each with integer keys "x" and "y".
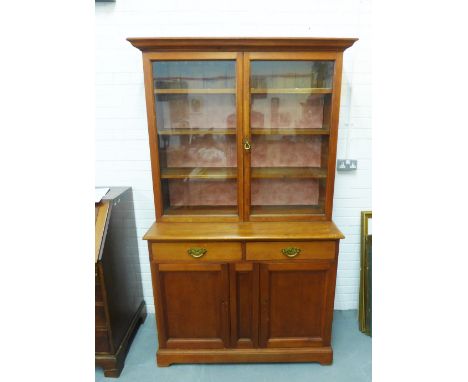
{"x": 152, "y": 134}
{"x": 335, "y": 114}
{"x": 121, "y": 267}
{"x": 329, "y": 298}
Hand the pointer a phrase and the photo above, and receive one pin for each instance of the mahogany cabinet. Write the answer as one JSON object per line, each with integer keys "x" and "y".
{"x": 119, "y": 304}
{"x": 242, "y": 136}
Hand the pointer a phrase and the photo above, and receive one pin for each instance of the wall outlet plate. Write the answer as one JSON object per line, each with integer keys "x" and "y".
{"x": 346, "y": 164}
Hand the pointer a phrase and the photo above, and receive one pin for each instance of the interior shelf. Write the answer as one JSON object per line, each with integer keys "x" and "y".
{"x": 287, "y": 210}
{"x": 255, "y": 131}
{"x": 208, "y": 173}
{"x": 286, "y": 131}
{"x": 291, "y": 91}
{"x": 288, "y": 172}
{"x": 195, "y": 91}
{"x": 197, "y": 131}
{"x": 201, "y": 210}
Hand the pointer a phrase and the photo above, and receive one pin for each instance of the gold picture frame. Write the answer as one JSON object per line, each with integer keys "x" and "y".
{"x": 365, "y": 286}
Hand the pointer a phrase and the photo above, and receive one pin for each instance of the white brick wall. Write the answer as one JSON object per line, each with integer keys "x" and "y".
{"x": 122, "y": 152}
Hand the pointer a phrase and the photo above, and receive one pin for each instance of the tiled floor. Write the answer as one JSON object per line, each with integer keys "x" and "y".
{"x": 352, "y": 361}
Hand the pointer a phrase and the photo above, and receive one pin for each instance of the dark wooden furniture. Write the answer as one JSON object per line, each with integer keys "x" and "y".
{"x": 243, "y": 139}
{"x": 120, "y": 308}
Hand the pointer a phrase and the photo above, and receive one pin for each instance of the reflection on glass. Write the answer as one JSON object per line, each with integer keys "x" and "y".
{"x": 199, "y": 193}
{"x": 203, "y": 150}
{"x": 196, "y": 111}
{"x": 291, "y": 74}
{"x": 286, "y": 151}
{"x": 194, "y": 74}
{"x": 195, "y": 95}
{"x": 286, "y": 192}
{"x": 195, "y": 107}
{"x": 289, "y": 120}
{"x": 289, "y": 111}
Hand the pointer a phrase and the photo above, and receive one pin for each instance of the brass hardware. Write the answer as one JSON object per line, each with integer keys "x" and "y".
{"x": 247, "y": 145}
{"x": 197, "y": 252}
{"x": 291, "y": 251}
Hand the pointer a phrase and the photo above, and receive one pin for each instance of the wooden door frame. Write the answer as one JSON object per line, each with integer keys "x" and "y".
{"x": 159, "y": 299}
{"x": 335, "y": 56}
{"x": 265, "y": 269}
{"x": 253, "y": 269}
{"x": 148, "y": 57}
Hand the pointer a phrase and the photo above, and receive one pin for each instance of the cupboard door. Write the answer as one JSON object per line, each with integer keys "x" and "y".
{"x": 244, "y": 285}
{"x": 290, "y": 127}
{"x": 196, "y": 141}
{"x": 296, "y": 304}
{"x": 192, "y": 305}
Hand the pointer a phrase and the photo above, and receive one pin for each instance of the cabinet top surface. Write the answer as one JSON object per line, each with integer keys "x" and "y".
{"x": 240, "y": 43}
{"x": 319, "y": 230}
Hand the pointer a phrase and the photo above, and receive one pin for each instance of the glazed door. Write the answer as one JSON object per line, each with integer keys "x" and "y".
{"x": 194, "y": 108}
{"x": 192, "y": 302}
{"x": 291, "y": 103}
{"x": 296, "y": 304}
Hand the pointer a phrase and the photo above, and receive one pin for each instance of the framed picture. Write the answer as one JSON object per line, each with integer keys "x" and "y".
{"x": 365, "y": 288}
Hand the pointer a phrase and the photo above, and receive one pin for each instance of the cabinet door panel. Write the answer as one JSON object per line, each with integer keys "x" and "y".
{"x": 244, "y": 305}
{"x": 295, "y": 304}
{"x": 290, "y": 109}
{"x": 192, "y": 305}
{"x": 195, "y": 117}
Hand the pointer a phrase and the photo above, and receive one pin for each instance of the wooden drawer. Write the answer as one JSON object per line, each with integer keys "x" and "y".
{"x": 196, "y": 251}
{"x": 294, "y": 250}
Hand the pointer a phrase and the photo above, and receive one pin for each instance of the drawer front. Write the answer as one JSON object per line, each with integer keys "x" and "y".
{"x": 195, "y": 251}
{"x": 291, "y": 250}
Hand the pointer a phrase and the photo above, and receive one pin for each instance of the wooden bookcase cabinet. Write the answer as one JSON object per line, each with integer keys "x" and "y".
{"x": 243, "y": 136}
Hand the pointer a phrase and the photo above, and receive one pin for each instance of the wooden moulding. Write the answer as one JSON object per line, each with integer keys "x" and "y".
{"x": 261, "y": 231}
{"x": 323, "y": 355}
{"x": 102, "y": 222}
{"x": 113, "y": 364}
{"x": 147, "y": 44}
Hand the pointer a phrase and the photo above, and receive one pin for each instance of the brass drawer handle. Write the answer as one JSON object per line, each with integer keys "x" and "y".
{"x": 291, "y": 251}
{"x": 197, "y": 252}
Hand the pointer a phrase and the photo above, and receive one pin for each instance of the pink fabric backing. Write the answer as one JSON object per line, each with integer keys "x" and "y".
{"x": 202, "y": 193}
{"x": 277, "y": 192}
{"x": 264, "y": 192}
{"x": 202, "y": 151}
{"x": 286, "y": 151}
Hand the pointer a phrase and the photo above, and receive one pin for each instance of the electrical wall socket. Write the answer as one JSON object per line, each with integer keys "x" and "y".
{"x": 346, "y": 164}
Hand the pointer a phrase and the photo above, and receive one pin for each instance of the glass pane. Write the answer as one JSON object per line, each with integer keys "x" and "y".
{"x": 195, "y": 105}
{"x": 291, "y": 74}
{"x": 289, "y": 121}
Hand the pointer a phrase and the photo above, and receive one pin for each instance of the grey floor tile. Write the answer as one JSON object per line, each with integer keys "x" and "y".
{"x": 351, "y": 363}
